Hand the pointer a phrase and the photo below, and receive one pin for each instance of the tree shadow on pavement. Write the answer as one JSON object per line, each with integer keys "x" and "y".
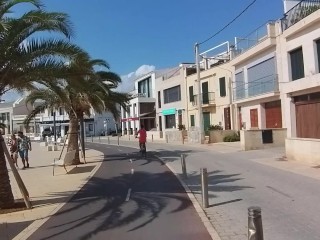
{"x": 217, "y": 182}
{"x": 101, "y": 204}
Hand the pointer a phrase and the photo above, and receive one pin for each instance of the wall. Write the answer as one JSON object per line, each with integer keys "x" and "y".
{"x": 174, "y": 135}
{"x": 218, "y": 135}
{"x": 303, "y": 150}
{"x": 252, "y": 139}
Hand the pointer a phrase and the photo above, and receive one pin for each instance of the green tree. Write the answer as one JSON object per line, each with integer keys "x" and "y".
{"x": 78, "y": 94}
{"x": 27, "y": 59}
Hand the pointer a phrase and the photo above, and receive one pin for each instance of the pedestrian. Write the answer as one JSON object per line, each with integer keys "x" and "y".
{"x": 24, "y": 146}
{"x": 13, "y": 148}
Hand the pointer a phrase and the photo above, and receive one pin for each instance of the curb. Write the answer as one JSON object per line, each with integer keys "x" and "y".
{"x": 206, "y": 222}
{"x": 27, "y": 232}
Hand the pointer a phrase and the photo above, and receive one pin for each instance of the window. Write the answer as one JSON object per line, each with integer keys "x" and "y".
{"x": 90, "y": 127}
{"x": 144, "y": 86}
{"x": 240, "y": 85}
{"x": 192, "y": 120}
{"x": 318, "y": 53}
{"x": 172, "y": 94}
{"x": 222, "y": 84}
{"x": 61, "y": 111}
{"x": 52, "y": 113}
{"x": 159, "y": 99}
{"x": 170, "y": 121}
{"x": 191, "y": 96}
{"x": 297, "y": 66}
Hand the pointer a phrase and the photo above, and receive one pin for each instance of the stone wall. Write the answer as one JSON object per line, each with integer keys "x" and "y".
{"x": 303, "y": 150}
{"x": 252, "y": 139}
{"x": 218, "y": 135}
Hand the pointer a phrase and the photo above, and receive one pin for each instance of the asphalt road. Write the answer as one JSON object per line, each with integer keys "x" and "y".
{"x": 125, "y": 200}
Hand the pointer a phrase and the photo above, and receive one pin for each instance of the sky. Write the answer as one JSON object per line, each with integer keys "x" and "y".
{"x": 136, "y": 37}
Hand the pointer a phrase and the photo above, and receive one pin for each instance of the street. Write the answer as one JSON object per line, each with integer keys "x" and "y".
{"x": 138, "y": 199}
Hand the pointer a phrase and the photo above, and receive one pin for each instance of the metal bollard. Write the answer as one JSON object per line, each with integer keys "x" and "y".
{"x": 152, "y": 137}
{"x": 183, "y": 166}
{"x": 108, "y": 140}
{"x": 204, "y": 187}
{"x": 91, "y": 138}
{"x": 129, "y": 137}
{"x": 182, "y": 139}
{"x": 99, "y": 139}
{"x": 167, "y": 139}
{"x": 118, "y": 140}
{"x": 255, "y": 230}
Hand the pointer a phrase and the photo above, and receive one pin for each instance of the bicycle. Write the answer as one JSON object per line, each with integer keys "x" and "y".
{"x": 143, "y": 149}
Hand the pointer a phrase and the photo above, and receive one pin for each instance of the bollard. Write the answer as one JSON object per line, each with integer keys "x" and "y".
{"x": 183, "y": 166}
{"x": 129, "y": 137}
{"x": 118, "y": 140}
{"x": 204, "y": 187}
{"x": 167, "y": 138}
{"x": 99, "y": 139}
{"x": 152, "y": 137}
{"x": 91, "y": 138}
{"x": 108, "y": 140}
{"x": 255, "y": 230}
{"x": 182, "y": 139}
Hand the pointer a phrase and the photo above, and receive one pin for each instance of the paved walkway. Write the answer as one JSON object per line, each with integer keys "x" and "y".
{"x": 47, "y": 192}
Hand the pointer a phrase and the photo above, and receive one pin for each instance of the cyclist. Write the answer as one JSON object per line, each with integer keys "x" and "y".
{"x": 142, "y": 138}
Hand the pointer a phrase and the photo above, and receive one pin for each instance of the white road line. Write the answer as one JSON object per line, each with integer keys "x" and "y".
{"x": 131, "y": 160}
{"x": 128, "y": 195}
{"x": 132, "y": 171}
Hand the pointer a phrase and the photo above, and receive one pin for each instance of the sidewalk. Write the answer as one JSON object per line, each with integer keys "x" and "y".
{"x": 47, "y": 192}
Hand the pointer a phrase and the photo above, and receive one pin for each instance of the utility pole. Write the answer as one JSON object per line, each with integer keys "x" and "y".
{"x": 200, "y": 117}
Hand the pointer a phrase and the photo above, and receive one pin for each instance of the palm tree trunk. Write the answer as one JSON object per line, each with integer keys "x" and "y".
{"x": 73, "y": 137}
{"x": 6, "y": 196}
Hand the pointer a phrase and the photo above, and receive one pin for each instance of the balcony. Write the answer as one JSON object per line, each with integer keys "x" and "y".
{"x": 261, "y": 86}
{"x": 207, "y": 99}
{"x": 299, "y": 12}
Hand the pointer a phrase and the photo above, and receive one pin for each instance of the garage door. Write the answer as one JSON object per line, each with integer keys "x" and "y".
{"x": 308, "y": 116}
{"x": 273, "y": 114}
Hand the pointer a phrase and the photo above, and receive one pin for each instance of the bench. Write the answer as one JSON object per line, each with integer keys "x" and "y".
{"x": 66, "y": 161}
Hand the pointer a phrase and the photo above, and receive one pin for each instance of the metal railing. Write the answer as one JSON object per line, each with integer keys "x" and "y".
{"x": 256, "y": 87}
{"x": 299, "y": 12}
{"x": 206, "y": 99}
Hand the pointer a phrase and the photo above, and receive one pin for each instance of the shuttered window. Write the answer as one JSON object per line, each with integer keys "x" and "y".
{"x": 191, "y": 97}
{"x": 297, "y": 65}
{"x": 192, "y": 120}
{"x": 222, "y": 84}
{"x": 261, "y": 77}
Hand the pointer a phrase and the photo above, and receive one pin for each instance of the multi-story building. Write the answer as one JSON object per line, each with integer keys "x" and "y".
{"x": 216, "y": 95}
{"x": 13, "y": 115}
{"x": 299, "y": 74}
{"x": 171, "y": 98}
{"x": 255, "y": 87}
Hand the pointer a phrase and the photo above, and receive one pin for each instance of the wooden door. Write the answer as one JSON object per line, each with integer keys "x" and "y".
{"x": 254, "y": 118}
{"x": 227, "y": 119}
{"x": 307, "y": 120}
{"x": 273, "y": 114}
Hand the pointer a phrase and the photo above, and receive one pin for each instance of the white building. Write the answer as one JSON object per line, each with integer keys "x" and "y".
{"x": 299, "y": 74}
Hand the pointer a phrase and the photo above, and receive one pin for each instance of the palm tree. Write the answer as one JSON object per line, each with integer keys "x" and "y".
{"x": 26, "y": 59}
{"x": 77, "y": 95}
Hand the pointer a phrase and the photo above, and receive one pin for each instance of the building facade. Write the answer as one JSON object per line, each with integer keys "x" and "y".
{"x": 299, "y": 65}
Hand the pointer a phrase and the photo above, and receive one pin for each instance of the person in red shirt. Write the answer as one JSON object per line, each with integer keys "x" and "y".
{"x": 142, "y": 137}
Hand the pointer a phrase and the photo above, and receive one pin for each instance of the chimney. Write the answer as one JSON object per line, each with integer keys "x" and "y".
{"x": 289, "y": 4}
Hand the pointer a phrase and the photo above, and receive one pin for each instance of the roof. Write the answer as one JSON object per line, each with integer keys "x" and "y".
{"x": 6, "y": 104}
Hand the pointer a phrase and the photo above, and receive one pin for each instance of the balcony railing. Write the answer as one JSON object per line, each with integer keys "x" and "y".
{"x": 206, "y": 99}
{"x": 264, "y": 85}
{"x": 299, "y": 12}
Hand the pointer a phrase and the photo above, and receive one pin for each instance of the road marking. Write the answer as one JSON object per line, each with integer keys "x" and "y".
{"x": 128, "y": 195}
{"x": 131, "y": 160}
{"x": 132, "y": 171}
{"x": 120, "y": 150}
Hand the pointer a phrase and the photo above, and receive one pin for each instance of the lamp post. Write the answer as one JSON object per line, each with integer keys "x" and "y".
{"x": 200, "y": 118}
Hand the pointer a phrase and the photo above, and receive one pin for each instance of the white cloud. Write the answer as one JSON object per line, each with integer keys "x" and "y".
{"x": 127, "y": 84}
